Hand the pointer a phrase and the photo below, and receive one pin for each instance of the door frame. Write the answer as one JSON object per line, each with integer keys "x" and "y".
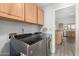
{"x": 55, "y": 20}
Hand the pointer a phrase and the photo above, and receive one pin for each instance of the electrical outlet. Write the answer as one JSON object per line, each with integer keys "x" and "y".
{"x": 22, "y": 30}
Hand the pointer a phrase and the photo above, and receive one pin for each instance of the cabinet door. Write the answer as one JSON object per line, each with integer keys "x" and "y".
{"x": 31, "y": 13}
{"x": 40, "y": 16}
{"x": 58, "y": 38}
{"x": 73, "y": 34}
{"x": 61, "y": 25}
{"x": 5, "y": 8}
{"x": 17, "y": 11}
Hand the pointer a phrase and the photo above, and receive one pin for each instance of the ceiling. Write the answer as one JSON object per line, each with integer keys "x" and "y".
{"x": 43, "y": 5}
{"x": 65, "y": 12}
{"x": 66, "y": 15}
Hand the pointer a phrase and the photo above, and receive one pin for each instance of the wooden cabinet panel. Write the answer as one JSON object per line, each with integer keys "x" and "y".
{"x": 5, "y": 8}
{"x": 71, "y": 34}
{"x": 12, "y": 11}
{"x": 61, "y": 25}
{"x": 58, "y": 38}
{"x": 17, "y": 10}
{"x": 31, "y": 13}
{"x": 40, "y": 16}
{"x": 22, "y": 12}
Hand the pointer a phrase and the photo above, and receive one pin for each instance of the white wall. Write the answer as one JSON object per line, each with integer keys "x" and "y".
{"x": 49, "y": 18}
{"x": 7, "y": 27}
{"x": 49, "y": 23}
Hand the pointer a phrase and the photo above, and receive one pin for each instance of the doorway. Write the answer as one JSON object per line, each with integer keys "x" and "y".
{"x": 65, "y": 29}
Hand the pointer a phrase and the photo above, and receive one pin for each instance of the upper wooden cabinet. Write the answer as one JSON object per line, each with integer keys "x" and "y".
{"x": 31, "y": 13}
{"x": 12, "y": 10}
{"x": 17, "y": 10}
{"x": 27, "y": 12}
{"x": 40, "y": 16}
{"x": 5, "y": 8}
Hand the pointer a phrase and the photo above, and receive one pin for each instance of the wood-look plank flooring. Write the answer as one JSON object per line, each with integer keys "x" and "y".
{"x": 67, "y": 48}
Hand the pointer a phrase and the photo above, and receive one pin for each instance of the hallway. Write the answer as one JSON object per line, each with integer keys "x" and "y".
{"x": 67, "y": 48}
